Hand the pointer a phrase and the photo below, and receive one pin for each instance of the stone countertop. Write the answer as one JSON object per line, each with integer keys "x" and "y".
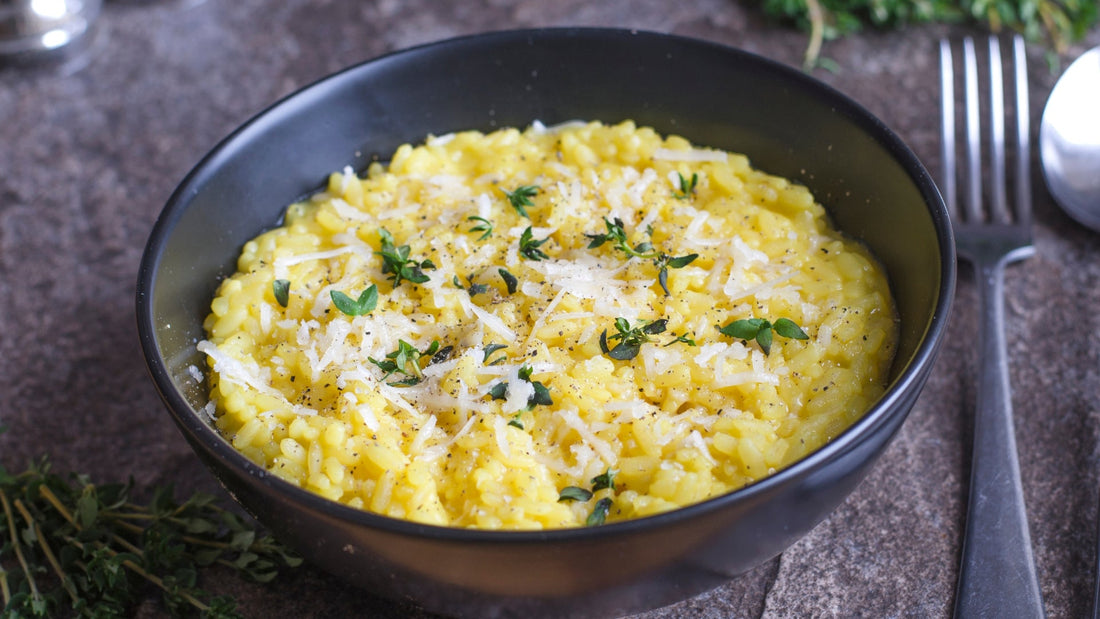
{"x": 90, "y": 151}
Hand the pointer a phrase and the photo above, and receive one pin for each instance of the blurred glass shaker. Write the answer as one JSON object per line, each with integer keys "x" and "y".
{"x": 42, "y": 29}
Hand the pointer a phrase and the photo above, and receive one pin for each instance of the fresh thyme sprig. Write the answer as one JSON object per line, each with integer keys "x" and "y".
{"x": 484, "y": 226}
{"x": 687, "y": 186}
{"x": 600, "y": 511}
{"x": 630, "y": 338}
{"x": 397, "y": 264}
{"x": 616, "y": 235}
{"x": 1056, "y": 23}
{"x": 760, "y": 330}
{"x": 520, "y": 199}
{"x": 529, "y": 246}
{"x": 541, "y": 396}
{"x": 681, "y": 339}
{"x": 473, "y": 289}
{"x": 68, "y": 546}
{"x": 406, "y": 361}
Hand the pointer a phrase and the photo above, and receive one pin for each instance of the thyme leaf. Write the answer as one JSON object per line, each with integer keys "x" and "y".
{"x": 687, "y": 186}
{"x": 759, "y": 329}
{"x": 574, "y": 493}
{"x": 397, "y": 264}
{"x": 485, "y": 227}
{"x": 473, "y": 289}
{"x": 489, "y": 350}
{"x": 630, "y": 338}
{"x": 541, "y": 396}
{"x": 406, "y": 361}
{"x": 520, "y": 199}
{"x": 499, "y": 391}
{"x": 599, "y": 512}
{"x": 542, "y": 393}
{"x": 281, "y": 289}
{"x": 510, "y": 281}
{"x": 529, "y": 246}
{"x": 616, "y": 235}
{"x": 683, "y": 339}
{"x": 664, "y": 263}
{"x": 604, "y": 480}
{"x": 365, "y": 304}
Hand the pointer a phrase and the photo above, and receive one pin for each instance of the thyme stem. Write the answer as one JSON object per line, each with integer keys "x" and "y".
{"x": 140, "y": 571}
{"x": 66, "y": 582}
{"x": 19, "y": 547}
{"x": 85, "y": 546}
{"x": 817, "y": 34}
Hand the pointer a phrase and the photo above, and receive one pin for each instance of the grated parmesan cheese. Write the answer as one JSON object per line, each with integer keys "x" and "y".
{"x": 302, "y": 389}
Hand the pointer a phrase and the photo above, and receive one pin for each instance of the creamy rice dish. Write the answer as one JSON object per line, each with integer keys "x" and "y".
{"x": 546, "y": 328}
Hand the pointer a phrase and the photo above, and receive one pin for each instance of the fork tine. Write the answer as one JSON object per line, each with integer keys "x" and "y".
{"x": 998, "y": 202}
{"x": 973, "y": 197}
{"x": 947, "y": 128}
{"x": 1023, "y": 134}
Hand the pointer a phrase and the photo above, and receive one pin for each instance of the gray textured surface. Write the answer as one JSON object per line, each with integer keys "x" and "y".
{"x": 88, "y": 154}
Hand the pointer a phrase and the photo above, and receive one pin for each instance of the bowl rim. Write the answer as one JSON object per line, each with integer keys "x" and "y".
{"x": 199, "y": 431}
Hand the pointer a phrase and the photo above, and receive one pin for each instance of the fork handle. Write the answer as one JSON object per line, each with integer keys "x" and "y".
{"x": 997, "y": 577}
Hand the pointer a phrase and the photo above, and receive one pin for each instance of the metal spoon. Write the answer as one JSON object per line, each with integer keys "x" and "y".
{"x": 1069, "y": 140}
{"x": 1069, "y": 148}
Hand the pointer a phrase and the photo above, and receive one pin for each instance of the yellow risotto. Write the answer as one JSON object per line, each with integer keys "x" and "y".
{"x": 546, "y": 328}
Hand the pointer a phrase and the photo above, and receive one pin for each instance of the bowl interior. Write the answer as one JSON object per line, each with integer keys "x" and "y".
{"x": 787, "y": 123}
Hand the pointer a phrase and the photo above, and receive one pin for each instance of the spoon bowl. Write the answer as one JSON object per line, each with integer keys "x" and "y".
{"x": 1069, "y": 140}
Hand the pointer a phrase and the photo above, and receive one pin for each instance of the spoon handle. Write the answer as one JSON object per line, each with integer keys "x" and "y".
{"x": 997, "y": 576}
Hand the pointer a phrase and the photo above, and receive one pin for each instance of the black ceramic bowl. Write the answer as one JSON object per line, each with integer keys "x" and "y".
{"x": 786, "y": 122}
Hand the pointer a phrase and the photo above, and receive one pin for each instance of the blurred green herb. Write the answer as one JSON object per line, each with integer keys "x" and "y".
{"x": 485, "y": 227}
{"x": 406, "y": 360}
{"x": 510, "y": 281}
{"x": 1054, "y": 23}
{"x": 473, "y": 289}
{"x": 681, "y": 339}
{"x": 574, "y": 493}
{"x": 599, "y": 512}
{"x": 281, "y": 289}
{"x": 529, "y": 246}
{"x": 71, "y": 547}
{"x": 489, "y": 350}
{"x": 521, "y": 198}
{"x": 603, "y": 481}
{"x": 687, "y": 186}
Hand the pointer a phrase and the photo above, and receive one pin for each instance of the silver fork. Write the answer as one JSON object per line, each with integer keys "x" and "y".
{"x": 997, "y": 576}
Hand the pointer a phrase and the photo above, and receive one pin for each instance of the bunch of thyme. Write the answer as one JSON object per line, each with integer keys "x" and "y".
{"x": 1055, "y": 23}
{"x": 71, "y": 547}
